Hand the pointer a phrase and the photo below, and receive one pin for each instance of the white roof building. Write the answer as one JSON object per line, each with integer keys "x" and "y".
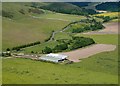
{"x": 53, "y": 57}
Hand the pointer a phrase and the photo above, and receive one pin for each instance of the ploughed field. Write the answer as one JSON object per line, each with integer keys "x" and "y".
{"x": 79, "y": 54}
{"x": 110, "y": 28}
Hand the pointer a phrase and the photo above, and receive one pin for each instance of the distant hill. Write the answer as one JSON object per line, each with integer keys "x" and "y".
{"x": 63, "y": 8}
{"x": 67, "y": 8}
{"x": 19, "y": 10}
{"x": 109, "y": 6}
{"x": 80, "y": 4}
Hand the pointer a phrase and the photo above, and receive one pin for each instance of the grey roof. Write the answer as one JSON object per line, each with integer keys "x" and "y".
{"x": 53, "y": 57}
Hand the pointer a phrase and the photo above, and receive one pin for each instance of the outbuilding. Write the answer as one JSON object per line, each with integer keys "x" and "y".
{"x": 53, "y": 57}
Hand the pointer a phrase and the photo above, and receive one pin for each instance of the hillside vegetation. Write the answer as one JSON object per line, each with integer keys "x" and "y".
{"x": 109, "y": 6}
{"x": 20, "y": 27}
{"x": 68, "y": 8}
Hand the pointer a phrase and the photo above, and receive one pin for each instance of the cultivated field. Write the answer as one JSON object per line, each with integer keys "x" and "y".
{"x": 110, "y": 28}
{"x": 78, "y": 55}
{"x": 111, "y": 14}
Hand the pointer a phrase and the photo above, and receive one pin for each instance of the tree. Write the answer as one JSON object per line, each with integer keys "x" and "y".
{"x": 32, "y": 51}
{"x": 8, "y": 49}
{"x": 60, "y": 47}
{"x": 47, "y": 50}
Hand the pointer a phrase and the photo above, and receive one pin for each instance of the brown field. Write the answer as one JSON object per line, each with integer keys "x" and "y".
{"x": 78, "y": 54}
{"x": 110, "y": 28}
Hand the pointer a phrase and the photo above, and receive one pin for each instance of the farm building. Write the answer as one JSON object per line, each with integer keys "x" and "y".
{"x": 53, "y": 57}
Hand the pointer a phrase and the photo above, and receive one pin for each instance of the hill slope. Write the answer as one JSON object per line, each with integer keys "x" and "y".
{"x": 109, "y": 6}
{"x": 64, "y": 8}
{"x": 23, "y": 24}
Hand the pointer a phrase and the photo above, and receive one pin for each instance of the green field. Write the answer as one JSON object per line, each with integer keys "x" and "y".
{"x": 25, "y": 28}
{"x": 98, "y": 69}
{"x": 28, "y": 30}
{"x": 102, "y": 39}
{"x": 60, "y": 16}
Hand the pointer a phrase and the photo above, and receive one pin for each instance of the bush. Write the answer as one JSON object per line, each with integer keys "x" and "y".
{"x": 60, "y": 47}
{"x": 79, "y": 42}
{"x": 22, "y": 11}
{"x": 47, "y": 50}
{"x": 26, "y": 45}
{"x": 7, "y": 14}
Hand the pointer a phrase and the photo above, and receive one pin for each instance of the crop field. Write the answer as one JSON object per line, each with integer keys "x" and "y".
{"x": 111, "y": 14}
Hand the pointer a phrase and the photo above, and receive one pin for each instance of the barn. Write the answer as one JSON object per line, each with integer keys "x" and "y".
{"x": 53, "y": 57}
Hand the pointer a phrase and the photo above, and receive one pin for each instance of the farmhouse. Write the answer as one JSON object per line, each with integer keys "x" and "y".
{"x": 53, "y": 57}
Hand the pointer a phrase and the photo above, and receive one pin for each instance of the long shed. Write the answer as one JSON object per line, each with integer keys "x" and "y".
{"x": 53, "y": 57}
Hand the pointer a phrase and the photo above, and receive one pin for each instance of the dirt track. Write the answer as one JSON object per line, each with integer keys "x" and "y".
{"x": 110, "y": 28}
{"x": 88, "y": 51}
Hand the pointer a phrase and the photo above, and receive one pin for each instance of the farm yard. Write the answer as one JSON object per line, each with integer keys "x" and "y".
{"x": 93, "y": 51}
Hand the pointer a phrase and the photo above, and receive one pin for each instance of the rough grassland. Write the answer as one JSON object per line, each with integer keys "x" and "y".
{"x": 98, "y": 69}
{"x": 28, "y": 30}
{"x": 59, "y": 16}
{"x": 23, "y": 29}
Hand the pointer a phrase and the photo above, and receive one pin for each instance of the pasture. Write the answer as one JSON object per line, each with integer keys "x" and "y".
{"x": 101, "y": 68}
{"x": 19, "y": 71}
{"x": 60, "y": 16}
{"x": 98, "y": 69}
{"x": 24, "y": 28}
{"x": 28, "y": 30}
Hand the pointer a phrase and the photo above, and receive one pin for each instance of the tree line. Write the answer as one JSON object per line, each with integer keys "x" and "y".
{"x": 92, "y": 27}
{"x": 107, "y": 18}
{"x": 74, "y": 43}
{"x": 17, "y": 48}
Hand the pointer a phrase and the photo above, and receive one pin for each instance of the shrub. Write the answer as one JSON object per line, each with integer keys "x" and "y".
{"x": 47, "y": 50}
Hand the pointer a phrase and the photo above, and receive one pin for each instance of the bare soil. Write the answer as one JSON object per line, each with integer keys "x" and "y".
{"x": 110, "y": 28}
{"x": 77, "y": 55}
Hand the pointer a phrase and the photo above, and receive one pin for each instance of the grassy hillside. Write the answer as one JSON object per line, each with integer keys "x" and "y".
{"x": 28, "y": 30}
{"x": 31, "y": 26}
{"x": 67, "y": 8}
{"x": 101, "y": 67}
